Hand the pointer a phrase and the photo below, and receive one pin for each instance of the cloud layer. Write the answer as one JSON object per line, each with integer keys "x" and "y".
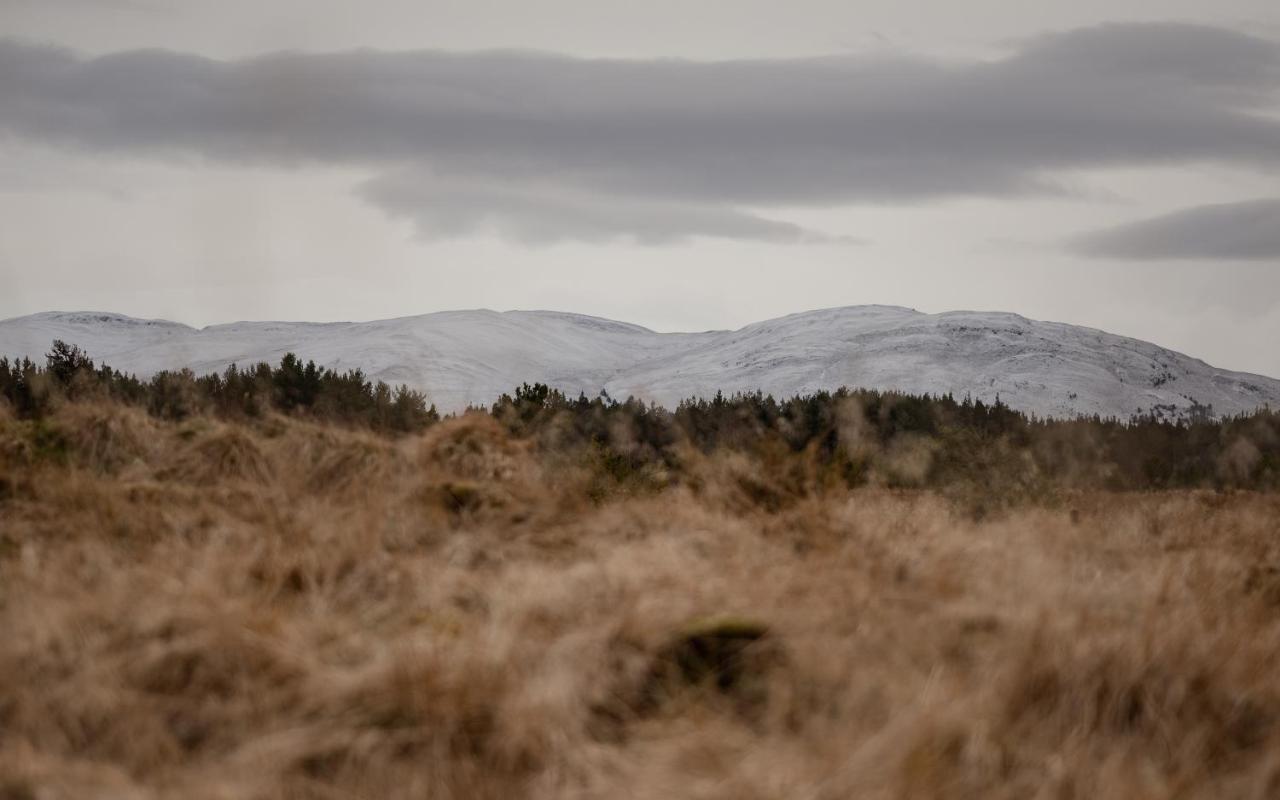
{"x": 541, "y": 147}
{"x": 1248, "y": 231}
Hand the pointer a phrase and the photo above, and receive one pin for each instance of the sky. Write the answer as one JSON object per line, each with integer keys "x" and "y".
{"x": 681, "y": 164}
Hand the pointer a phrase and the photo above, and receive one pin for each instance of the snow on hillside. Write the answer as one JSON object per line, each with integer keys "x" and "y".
{"x": 470, "y": 357}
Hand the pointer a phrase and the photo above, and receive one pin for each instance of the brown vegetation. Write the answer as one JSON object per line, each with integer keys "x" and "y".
{"x": 279, "y": 608}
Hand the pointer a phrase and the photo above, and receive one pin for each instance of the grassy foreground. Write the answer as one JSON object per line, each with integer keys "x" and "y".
{"x": 276, "y": 608}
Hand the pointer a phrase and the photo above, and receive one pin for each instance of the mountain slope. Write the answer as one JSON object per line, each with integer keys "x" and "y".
{"x": 470, "y": 357}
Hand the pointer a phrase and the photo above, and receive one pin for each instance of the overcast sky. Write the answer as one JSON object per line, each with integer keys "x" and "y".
{"x": 682, "y": 164}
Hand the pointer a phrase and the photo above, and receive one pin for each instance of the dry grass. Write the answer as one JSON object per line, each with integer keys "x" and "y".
{"x": 207, "y": 610}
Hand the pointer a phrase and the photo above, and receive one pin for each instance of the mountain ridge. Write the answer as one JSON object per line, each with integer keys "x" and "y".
{"x": 469, "y": 357}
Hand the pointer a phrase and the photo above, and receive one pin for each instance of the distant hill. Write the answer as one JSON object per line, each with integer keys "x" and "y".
{"x": 470, "y": 357}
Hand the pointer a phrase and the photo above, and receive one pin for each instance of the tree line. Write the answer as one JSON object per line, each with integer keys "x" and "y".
{"x": 32, "y": 390}
{"x": 853, "y": 437}
{"x": 848, "y": 437}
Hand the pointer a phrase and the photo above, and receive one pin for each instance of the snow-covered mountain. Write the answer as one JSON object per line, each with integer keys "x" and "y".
{"x": 470, "y": 357}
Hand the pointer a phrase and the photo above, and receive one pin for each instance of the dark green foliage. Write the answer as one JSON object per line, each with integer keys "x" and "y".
{"x": 65, "y": 361}
{"x": 628, "y": 446}
{"x": 18, "y": 385}
{"x": 853, "y": 436}
{"x": 292, "y": 387}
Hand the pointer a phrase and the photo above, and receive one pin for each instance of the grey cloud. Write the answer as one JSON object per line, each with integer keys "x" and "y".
{"x": 543, "y": 213}
{"x": 525, "y": 143}
{"x": 1193, "y": 56}
{"x": 1248, "y": 231}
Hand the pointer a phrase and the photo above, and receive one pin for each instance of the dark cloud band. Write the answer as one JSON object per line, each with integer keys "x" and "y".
{"x": 1248, "y": 231}
{"x": 543, "y": 147}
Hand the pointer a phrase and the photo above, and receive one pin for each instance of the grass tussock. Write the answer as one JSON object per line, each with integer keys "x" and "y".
{"x": 280, "y": 608}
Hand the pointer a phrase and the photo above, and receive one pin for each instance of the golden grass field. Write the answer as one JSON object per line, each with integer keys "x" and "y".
{"x": 283, "y": 609}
